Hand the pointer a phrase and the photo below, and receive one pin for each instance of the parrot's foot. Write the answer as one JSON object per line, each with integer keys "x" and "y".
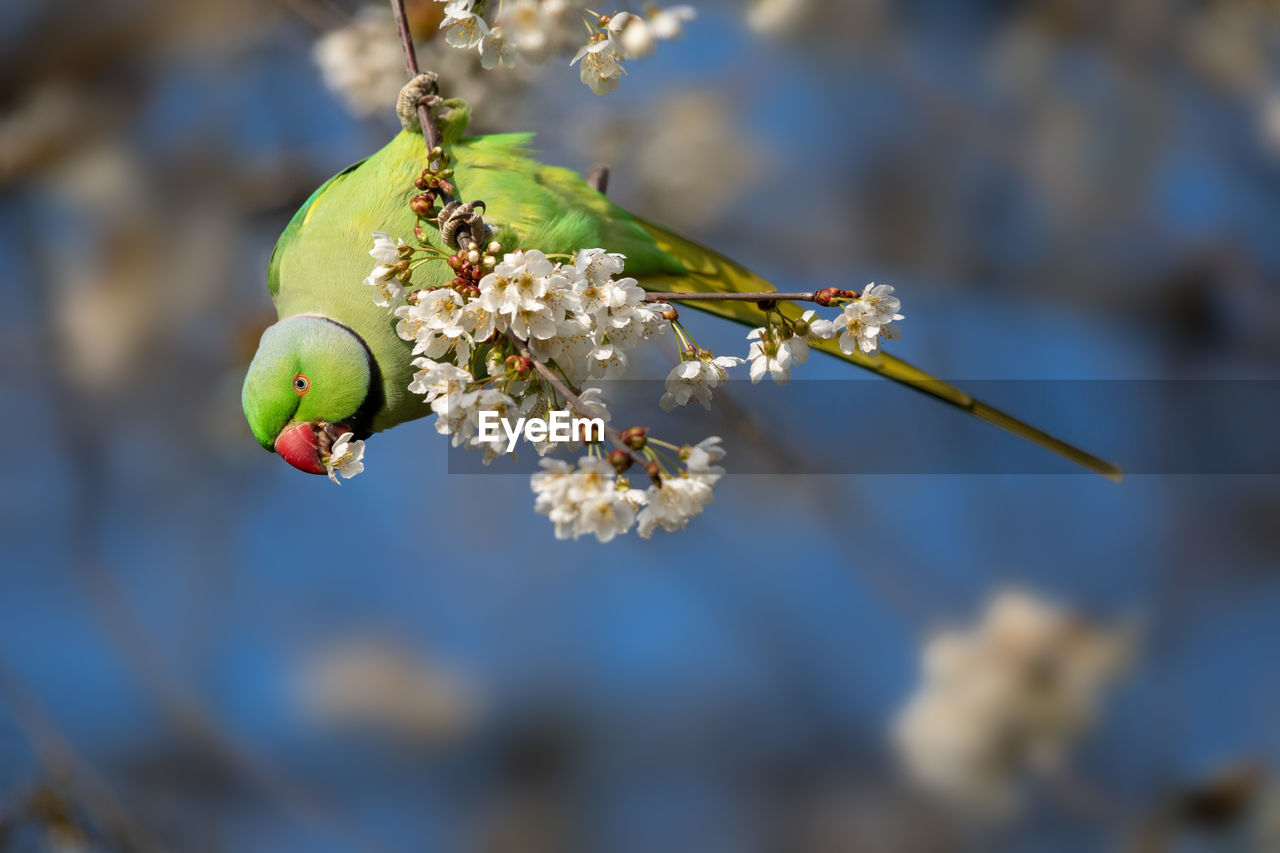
{"x": 457, "y": 218}
{"x": 422, "y": 90}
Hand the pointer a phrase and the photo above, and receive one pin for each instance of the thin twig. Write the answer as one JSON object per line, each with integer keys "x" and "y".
{"x": 72, "y": 773}
{"x": 563, "y": 389}
{"x": 430, "y": 130}
{"x": 762, "y": 296}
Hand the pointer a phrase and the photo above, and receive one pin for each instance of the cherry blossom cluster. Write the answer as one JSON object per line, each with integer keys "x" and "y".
{"x": 1005, "y": 699}
{"x": 781, "y": 342}
{"x": 594, "y": 497}
{"x": 479, "y": 337}
{"x": 535, "y": 30}
{"x": 516, "y": 335}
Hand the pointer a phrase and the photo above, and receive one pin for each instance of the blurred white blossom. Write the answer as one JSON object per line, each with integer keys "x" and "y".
{"x": 1005, "y": 698}
{"x": 380, "y": 686}
{"x": 362, "y": 61}
{"x": 601, "y": 69}
{"x": 770, "y": 17}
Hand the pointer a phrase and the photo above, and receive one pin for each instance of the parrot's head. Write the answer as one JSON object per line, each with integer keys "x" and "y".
{"x": 311, "y": 380}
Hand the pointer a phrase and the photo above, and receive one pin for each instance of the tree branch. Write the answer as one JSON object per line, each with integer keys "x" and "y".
{"x": 563, "y": 389}
{"x": 430, "y": 130}
{"x": 763, "y": 296}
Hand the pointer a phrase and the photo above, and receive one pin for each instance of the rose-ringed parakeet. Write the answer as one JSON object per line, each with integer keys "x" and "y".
{"x": 334, "y": 363}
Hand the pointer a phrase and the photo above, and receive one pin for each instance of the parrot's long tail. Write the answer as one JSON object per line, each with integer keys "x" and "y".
{"x": 712, "y": 272}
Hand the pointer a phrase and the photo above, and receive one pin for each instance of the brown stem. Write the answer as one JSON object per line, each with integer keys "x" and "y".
{"x": 563, "y": 389}
{"x": 430, "y": 130}
{"x": 765, "y": 296}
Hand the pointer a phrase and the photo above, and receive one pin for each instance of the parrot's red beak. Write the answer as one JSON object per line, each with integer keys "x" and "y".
{"x": 299, "y": 446}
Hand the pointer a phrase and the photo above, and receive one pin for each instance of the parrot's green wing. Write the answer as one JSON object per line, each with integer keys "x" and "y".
{"x": 290, "y": 233}
{"x": 552, "y": 209}
{"x": 712, "y": 272}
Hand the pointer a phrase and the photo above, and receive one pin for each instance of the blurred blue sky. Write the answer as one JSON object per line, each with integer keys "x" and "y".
{"x": 783, "y": 623}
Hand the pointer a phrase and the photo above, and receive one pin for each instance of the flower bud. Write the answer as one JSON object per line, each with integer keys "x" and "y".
{"x": 824, "y": 297}
{"x": 455, "y": 262}
{"x": 470, "y": 291}
{"x": 422, "y": 182}
{"x": 520, "y": 364}
{"x": 421, "y": 204}
{"x": 654, "y": 470}
{"x": 620, "y": 460}
{"x": 473, "y": 246}
{"x": 490, "y": 261}
{"x": 473, "y": 257}
{"x": 494, "y": 248}
{"x": 635, "y": 437}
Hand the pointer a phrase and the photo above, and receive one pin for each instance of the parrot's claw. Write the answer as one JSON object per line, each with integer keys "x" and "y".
{"x": 422, "y": 90}
{"x": 457, "y": 217}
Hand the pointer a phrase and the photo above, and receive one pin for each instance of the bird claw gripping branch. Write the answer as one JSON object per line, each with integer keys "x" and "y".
{"x": 422, "y": 90}
{"x": 458, "y": 218}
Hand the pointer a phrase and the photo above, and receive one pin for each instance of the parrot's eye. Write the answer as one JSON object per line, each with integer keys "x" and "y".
{"x": 301, "y": 384}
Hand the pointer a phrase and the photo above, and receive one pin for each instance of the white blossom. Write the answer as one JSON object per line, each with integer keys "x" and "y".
{"x": 583, "y": 500}
{"x": 345, "y": 457}
{"x": 695, "y": 379}
{"x": 769, "y": 356}
{"x": 601, "y": 65}
{"x": 362, "y": 61}
{"x": 879, "y": 305}
{"x": 867, "y": 319}
{"x": 496, "y": 49}
{"x": 671, "y": 504}
{"x": 386, "y": 251}
{"x": 606, "y": 514}
{"x": 635, "y": 36}
{"x": 669, "y": 23}
{"x": 530, "y": 26}
{"x": 702, "y": 458}
{"x": 464, "y": 28}
{"x": 1005, "y": 698}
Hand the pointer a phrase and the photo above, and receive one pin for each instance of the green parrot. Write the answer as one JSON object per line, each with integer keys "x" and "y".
{"x": 334, "y": 363}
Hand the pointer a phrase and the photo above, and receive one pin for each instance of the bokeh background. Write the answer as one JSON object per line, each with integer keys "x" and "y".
{"x": 201, "y": 649}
